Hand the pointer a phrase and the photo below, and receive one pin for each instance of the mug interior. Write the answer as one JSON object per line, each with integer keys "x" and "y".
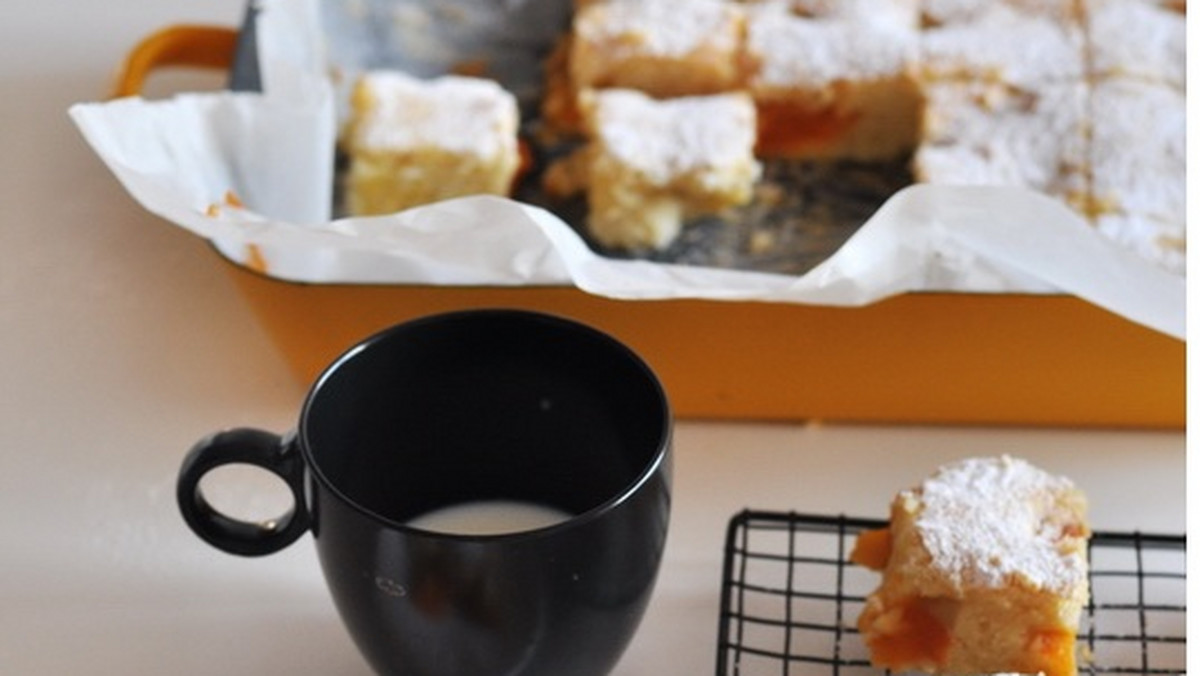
{"x": 485, "y": 405}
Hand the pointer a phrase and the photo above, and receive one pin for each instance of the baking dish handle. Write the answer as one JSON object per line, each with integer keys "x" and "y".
{"x": 188, "y": 45}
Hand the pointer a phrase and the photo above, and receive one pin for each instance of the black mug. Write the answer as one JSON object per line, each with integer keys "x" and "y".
{"x": 489, "y": 408}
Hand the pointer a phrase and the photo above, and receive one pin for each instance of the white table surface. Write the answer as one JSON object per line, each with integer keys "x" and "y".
{"x": 122, "y": 341}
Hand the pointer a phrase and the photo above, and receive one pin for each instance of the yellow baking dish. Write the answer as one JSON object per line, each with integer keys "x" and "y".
{"x": 959, "y": 358}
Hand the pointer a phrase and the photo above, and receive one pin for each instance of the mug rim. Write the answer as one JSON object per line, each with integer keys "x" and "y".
{"x": 649, "y": 469}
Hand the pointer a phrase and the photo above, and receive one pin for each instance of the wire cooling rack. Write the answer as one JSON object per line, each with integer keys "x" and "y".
{"x": 790, "y": 599}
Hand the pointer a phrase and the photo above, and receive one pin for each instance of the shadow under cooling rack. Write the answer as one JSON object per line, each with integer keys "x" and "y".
{"x": 790, "y": 599}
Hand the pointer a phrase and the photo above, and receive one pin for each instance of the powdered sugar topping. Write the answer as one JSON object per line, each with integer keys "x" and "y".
{"x": 1026, "y": 50}
{"x": 1139, "y": 149}
{"x": 666, "y": 138}
{"x": 662, "y": 27}
{"x": 984, "y": 133}
{"x": 995, "y": 521}
{"x": 796, "y": 51}
{"x": 459, "y": 114}
{"x": 1138, "y": 39}
{"x": 960, "y": 11}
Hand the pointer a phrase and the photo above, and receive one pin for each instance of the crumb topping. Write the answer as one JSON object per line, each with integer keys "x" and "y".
{"x": 984, "y": 133}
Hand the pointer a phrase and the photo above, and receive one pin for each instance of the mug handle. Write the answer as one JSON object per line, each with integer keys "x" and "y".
{"x": 252, "y": 447}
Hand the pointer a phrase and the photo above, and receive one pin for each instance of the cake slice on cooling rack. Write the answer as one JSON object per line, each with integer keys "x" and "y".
{"x": 984, "y": 571}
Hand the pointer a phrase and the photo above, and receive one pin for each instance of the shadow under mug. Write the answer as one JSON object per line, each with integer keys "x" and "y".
{"x": 456, "y": 408}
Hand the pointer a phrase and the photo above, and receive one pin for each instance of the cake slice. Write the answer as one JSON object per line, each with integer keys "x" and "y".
{"x": 984, "y": 571}
{"x": 985, "y": 133}
{"x": 652, "y": 163}
{"x": 662, "y": 47}
{"x": 832, "y": 82}
{"x": 412, "y": 141}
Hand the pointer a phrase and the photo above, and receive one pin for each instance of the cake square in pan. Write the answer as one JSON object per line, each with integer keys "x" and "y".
{"x": 1004, "y": 44}
{"x": 651, "y": 163}
{"x": 936, "y": 13}
{"x": 1144, "y": 39}
{"x": 661, "y": 47}
{"x": 985, "y": 133}
{"x": 833, "y": 85}
{"x": 413, "y": 141}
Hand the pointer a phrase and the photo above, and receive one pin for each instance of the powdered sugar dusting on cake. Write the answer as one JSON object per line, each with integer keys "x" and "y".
{"x": 958, "y": 11}
{"x": 1161, "y": 242}
{"x": 662, "y": 27}
{"x": 1025, "y": 50}
{"x": 987, "y": 134}
{"x": 993, "y": 521}
{"x": 460, "y": 114}
{"x": 1139, "y": 150}
{"x": 1139, "y": 39}
{"x": 795, "y": 51}
{"x": 666, "y": 138}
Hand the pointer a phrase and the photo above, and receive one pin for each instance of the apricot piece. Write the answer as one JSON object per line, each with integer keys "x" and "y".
{"x": 914, "y": 636}
{"x": 873, "y": 548}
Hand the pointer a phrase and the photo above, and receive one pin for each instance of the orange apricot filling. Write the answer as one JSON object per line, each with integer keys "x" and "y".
{"x": 873, "y": 548}
{"x": 904, "y": 635}
{"x": 1052, "y": 652}
{"x": 789, "y": 130}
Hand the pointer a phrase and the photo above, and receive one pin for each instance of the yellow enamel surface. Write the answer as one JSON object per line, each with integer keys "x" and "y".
{"x": 939, "y": 357}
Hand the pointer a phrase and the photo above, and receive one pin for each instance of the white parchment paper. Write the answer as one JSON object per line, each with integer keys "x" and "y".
{"x": 183, "y": 158}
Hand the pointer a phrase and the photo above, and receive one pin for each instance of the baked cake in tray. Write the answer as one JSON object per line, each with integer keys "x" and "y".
{"x": 412, "y": 141}
{"x": 652, "y": 163}
{"x": 984, "y": 571}
{"x": 1081, "y": 100}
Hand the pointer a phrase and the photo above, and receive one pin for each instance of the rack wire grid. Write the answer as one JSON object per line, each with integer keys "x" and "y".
{"x": 790, "y": 599}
